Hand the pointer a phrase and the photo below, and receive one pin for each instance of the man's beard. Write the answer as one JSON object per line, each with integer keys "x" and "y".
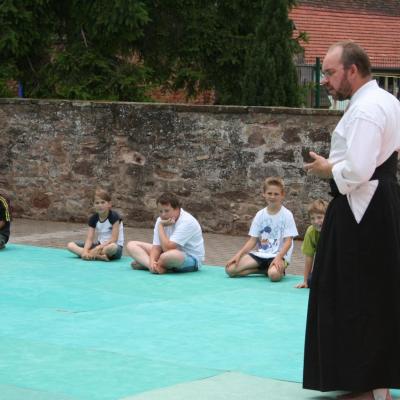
{"x": 344, "y": 90}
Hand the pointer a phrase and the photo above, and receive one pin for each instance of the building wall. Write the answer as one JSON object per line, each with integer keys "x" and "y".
{"x": 53, "y": 154}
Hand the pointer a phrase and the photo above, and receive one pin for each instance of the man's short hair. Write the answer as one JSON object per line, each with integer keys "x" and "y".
{"x": 274, "y": 181}
{"x": 317, "y": 207}
{"x": 169, "y": 198}
{"x": 354, "y": 54}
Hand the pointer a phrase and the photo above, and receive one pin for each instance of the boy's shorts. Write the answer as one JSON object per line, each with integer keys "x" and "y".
{"x": 3, "y": 240}
{"x": 264, "y": 263}
{"x": 116, "y": 256}
{"x": 190, "y": 264}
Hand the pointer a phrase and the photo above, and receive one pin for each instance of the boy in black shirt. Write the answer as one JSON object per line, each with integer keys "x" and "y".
{"x": 5, "y": 220}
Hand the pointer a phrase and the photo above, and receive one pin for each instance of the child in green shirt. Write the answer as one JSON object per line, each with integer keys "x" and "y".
{"x": 316, "y": 212}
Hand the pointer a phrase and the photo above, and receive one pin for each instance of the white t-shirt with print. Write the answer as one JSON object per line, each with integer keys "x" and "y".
{"x": 271, "y": 230}
{"x": 186, "y": 233}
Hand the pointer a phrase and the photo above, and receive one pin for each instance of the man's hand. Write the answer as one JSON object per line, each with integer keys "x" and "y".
{"x": 302, "y": 285}
{"x": 87, "y": 255}
{"x": 234, "y": 260}
{"x": 96, "y": 251}
{"x": 279, "y": 264}
{"x": 320, "y": 166}
{"x": 167, "y": 222}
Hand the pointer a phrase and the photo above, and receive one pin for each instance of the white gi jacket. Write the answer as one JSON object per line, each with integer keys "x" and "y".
{"x": 365, "y": 137}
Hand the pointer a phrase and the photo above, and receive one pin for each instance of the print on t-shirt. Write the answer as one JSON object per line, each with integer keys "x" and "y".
{"x": 271, "y": 230}
{"x": 269, "y": 238}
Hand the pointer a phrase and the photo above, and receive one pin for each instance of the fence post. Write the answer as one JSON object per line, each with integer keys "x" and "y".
{"x": 317, "y": 82}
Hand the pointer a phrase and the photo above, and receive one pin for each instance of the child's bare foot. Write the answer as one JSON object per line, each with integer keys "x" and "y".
{"x": 137, "y": 266}
{"x": 159, "y": 270}
{"x": 102, "y": 257}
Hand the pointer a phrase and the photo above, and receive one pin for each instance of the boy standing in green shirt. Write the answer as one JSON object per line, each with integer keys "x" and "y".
{"x": 316, "y": 212}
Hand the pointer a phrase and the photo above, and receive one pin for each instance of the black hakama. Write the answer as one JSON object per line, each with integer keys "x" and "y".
{"x": 353, "y": 322}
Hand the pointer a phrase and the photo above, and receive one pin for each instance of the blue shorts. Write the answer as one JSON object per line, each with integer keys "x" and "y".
{"x": 190, "y": 264}
{"x": 116, "y": 256}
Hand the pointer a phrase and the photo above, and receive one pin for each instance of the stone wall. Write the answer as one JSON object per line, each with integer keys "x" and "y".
{"x": 54, "y": 153}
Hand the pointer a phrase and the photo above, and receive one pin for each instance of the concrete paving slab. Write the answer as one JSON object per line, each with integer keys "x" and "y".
{"x": 233, "y": 386}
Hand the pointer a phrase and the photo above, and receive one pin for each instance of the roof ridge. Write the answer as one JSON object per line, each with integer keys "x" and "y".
{"x": 381, "y": 7}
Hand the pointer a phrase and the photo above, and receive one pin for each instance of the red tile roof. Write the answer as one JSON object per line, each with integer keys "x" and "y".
{"x": 372, "y": 28}
{"x": 376, "y": 7}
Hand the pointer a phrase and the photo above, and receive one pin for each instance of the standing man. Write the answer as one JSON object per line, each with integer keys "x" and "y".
{"x": 353, "y": 323}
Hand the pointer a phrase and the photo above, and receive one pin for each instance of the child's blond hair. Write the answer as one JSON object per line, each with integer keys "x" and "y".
{"x": 318, "y": 206}
{"x": 102, "y": 194}
{"x": 274, "y": 181}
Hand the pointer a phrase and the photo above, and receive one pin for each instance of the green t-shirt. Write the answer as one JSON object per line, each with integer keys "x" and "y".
{"x": 309, "y": 246}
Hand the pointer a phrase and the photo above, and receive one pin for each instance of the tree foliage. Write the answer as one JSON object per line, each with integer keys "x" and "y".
{"x": 75, "y": 49}
{"x": 271, "y": 78}
{"x": 118, "y": 49}
{"x": 201, "y": 45}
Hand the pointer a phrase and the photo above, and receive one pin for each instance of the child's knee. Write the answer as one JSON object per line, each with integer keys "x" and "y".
{"x": 231, "y": 271}
{"x": 111, "y": 249}
{"x": 131, "y": 245}
{"x": 171, "y": 258}
{"x": 70, "y": 245}
{"x": 274, "y": 274}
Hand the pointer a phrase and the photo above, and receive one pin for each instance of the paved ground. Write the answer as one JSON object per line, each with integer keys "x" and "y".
{"x": 219, "y": 248}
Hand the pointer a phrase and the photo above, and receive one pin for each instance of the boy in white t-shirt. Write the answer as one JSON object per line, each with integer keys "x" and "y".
{"x": 270, "y": 246}
{"x": 178, "y": 244}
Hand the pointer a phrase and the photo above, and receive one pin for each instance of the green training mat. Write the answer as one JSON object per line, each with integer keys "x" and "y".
{"x": 75, "y": 329}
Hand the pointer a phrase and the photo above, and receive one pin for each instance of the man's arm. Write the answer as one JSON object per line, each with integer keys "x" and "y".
{"x": 247, "y": 247}
{"x": 155, "y": 253}
{"x": 3, "y": 216}
{"x": 88, "y": 244}
{"x": 113, "y": 238}
{"x": 320, "y": 166}
{"x": 308, "y": 263}
{"x": 114, "y": 234}
{"x": 165, "y": 243}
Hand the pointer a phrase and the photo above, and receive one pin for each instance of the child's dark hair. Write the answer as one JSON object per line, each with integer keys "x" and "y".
{"x": 169, "y": 198}
{"x": 318, "y": 206}
{"x": 102, "y": 194}
{"x": 274, "y": 181}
